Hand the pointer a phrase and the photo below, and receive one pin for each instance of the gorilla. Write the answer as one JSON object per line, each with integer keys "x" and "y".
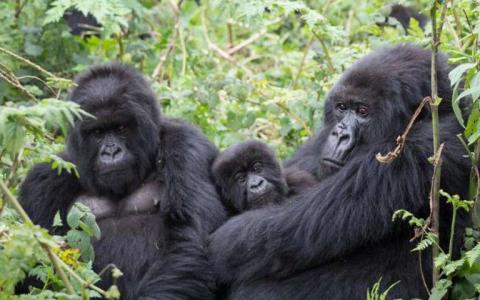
{"x": 81, "y": 24}
{"x": 403, "y": 14}
{"x": 249, "y": 176}
{"x": 147, "y": 180}
{"x": 336, "y": 239}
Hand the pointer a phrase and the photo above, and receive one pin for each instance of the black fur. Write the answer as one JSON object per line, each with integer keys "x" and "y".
{"x": 162, "y": 255}
{"x": 403, "y": 14}
{"x": 246, "y": 159}
{"x": 243, "y": 158}
{"x": 337, "y": 239}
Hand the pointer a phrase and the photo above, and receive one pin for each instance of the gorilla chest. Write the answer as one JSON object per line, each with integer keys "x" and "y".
{"x": 133, "y": 231}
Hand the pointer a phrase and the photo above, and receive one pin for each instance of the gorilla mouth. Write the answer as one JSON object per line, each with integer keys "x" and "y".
{"x": 333, "y": 163}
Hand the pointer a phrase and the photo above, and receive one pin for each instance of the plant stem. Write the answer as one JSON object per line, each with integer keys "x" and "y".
{"x": 330, "y": 65}
{"x": 452, "y": 231}
{"x": 59, "y": 265}
{"x": 434, "y": 104}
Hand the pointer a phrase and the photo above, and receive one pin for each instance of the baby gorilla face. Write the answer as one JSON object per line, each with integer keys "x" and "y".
{"x": 257, "y": 189}
{"x": 249, "y": 176}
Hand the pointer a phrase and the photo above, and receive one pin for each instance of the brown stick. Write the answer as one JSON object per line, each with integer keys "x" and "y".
{"x": 392, "y": 155}
{"x": 247, "y": 42}
{"x": 159, "y": 68}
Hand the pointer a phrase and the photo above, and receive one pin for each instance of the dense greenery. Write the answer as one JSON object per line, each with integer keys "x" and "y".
{"x": 238, "y": 69}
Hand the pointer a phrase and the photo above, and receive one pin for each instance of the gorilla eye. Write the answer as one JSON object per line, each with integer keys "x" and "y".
{"x": 362, "y": 111}
{"x": 341, "y": 107}
{"x": 240, "y": 177}
{"x": 257, "y": 167}
{"x": 97, "y": 131}
{"x": 120, "y": 128}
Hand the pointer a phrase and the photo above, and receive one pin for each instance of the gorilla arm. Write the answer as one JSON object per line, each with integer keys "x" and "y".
{"x": 194, "y": 210}
{"x": 298, "y": 180}
{"x": 185, "y": 159}
{"x": 45, "y": 192}
{"x": 352, "y": 208}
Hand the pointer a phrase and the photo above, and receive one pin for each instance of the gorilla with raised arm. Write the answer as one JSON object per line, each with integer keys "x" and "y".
{"x": 337, "y": 239}
{"x": 249, "y": 176}
{"x": 147, "y": 180}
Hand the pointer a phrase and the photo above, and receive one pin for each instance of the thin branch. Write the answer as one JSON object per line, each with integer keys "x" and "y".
{"x": 230, "y": 33}
{"x": 53, "y": 258}
{"x": 392, "y": 155}
{"x": 59, "y": 265}
{"x": 247, "y": 42}
{"x": 330, "y": 65}
{"x": 184, "y": 50}
{"x": 223, "y": 54}
{"x": 28, "y": 62}
{"x": 159, "y": 68}
{"x": 302, "y": 62}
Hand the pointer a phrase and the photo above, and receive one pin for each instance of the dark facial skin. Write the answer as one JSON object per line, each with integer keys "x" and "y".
{"x": 116, "y": 150}
{"x": 350, "y": 116}
{"x": 249, "y": 177}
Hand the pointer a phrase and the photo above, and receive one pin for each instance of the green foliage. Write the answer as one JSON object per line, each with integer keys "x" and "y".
{"x": 375, "y": 293}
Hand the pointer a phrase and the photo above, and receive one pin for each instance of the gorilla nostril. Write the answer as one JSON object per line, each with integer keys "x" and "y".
{"x": 257, "y": 184}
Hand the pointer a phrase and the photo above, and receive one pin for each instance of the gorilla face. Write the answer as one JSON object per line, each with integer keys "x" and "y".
{"x": 116, "y": 150}
{"x": 371, "y": 104}
{"x": 350, "y": 116}
{"x": 249, "y": 176}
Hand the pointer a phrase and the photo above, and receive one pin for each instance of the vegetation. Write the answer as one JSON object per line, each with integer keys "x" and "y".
{"x": 238, "y": 70}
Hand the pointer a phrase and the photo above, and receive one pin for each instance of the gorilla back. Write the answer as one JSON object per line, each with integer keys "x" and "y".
{"x": 153, "y": 216}
{"x": 337, "y": 239}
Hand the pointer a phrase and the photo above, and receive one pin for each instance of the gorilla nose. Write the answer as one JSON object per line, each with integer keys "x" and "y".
{"x": 344, "y": 136}
{"x": 111, "y": 152}
{"x": 256, "y": 183}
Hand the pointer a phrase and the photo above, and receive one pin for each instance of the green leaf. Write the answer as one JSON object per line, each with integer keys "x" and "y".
{"x": 473, "y": 255}
{"x": 440, "y": 289}
{"x": 472, "y": 131}
{"x": 73, "y": 217}
{"x": 57, "y": 220}
{"x": 456, "y": 74}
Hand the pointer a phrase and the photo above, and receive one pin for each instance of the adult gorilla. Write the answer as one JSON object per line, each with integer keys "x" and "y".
{"x": 147, "y": 180}
{"x": 337, "y": 239}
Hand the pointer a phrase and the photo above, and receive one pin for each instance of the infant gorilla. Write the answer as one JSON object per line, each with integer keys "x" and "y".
{"x": 249, "y": 176}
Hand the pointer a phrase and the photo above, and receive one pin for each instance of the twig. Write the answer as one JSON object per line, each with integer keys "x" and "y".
{"x": 59, "y": 265}
{"x": 392, "y": 155}
{"x": 159, "y": 68}
{"x": 295, "y": 116}
{"x": 424, "y": 280}
{"x": 39, "y": 79}
{"x": 14, "y": 82}
{"x": 19, "y": 7}
{"x": 184, "y": 50}
{"x": 3, "y": 50}
{"x": 230, "y": 33}
{"x": 302, "y": 62}
{"x": 223, "y": 54}
{"x": 247, "y": 42}
{"x": 53, "y": 258}
{"x": 330, "y": 65}
{"x": 16, "y": 161}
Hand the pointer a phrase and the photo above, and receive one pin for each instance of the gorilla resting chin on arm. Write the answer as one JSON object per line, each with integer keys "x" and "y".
{"x": 337, "y": 238}
{"x": 147, "y": 180}
{"x": 249, "y": 176}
